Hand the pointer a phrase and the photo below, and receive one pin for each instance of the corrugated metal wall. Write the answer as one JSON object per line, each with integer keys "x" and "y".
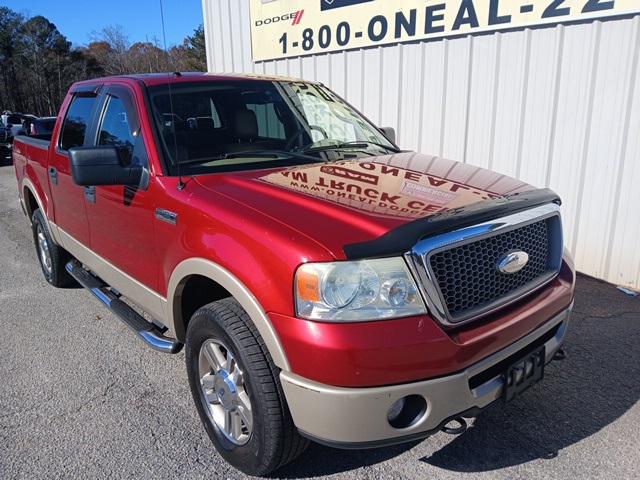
{"x": 556, "y": 107}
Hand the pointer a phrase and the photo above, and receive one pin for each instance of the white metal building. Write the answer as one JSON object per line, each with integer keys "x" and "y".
{"x": 557, "y": 106}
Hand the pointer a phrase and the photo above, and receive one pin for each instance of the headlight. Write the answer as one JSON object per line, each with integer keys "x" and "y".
{"x": 356, "y": 291}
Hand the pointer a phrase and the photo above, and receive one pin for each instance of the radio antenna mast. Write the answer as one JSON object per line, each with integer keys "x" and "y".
{"x": 181, "y": 184}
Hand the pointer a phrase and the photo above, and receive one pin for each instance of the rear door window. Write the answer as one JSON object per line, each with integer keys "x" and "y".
{"x": 78, "y": 119}
{"x": 269, "y": 125}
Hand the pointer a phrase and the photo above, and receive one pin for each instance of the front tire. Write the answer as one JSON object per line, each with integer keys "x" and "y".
{"x": 52, "y": 258}
{"x": 237, "y": 391}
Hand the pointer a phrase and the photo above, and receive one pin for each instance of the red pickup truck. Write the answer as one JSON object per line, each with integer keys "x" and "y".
{"x": 326, "y": 285}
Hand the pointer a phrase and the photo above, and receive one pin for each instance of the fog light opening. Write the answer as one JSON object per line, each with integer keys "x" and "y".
{"x": 407, "y": 411}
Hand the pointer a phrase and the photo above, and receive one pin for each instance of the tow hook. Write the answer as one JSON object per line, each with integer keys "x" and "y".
{"x": 560, "y": 355}
{"x": 453, "y": 430}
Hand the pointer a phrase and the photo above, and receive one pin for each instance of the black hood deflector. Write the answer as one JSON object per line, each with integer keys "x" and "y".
{"x": 403, "y": 239}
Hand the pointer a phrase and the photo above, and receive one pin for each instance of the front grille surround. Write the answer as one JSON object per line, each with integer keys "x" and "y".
{"x": 527, "y": 222}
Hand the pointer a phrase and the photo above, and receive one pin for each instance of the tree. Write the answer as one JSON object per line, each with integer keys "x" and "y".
{"x": 115, "y": 58}
{"x": 113, "y": 51}
{"x": 38, "y": 64}
{"x": 10, "y": 31}
{"x": 197, "y": 49}
{"x": 147, "y": 57}
{"x": 42, "y": 53}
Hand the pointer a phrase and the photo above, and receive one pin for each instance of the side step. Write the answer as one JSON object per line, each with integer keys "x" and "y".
{"x": 150, "y": 333}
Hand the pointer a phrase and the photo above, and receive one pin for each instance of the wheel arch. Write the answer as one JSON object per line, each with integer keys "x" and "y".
{"x": 32, "y": 201}
{"x": 220, "y": 276}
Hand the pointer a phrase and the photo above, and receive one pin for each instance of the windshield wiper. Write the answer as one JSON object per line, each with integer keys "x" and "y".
{"x": 347, "y": 145}
{"x": 275, "y": 154}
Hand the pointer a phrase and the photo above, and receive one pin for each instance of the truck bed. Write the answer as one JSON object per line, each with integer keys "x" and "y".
{"x": 31, "y": 159}
{"x": 41, "y": 141}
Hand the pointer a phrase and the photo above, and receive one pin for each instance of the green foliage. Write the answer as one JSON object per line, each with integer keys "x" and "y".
{"x": 38, "y": 64}
{"x": 197, "y": 49}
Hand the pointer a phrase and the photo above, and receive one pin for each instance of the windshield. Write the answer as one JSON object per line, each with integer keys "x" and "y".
{"x": 244, "y": 125}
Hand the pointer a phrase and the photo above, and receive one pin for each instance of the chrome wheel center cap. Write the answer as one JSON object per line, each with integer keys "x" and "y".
{"x": 225, "y": 389}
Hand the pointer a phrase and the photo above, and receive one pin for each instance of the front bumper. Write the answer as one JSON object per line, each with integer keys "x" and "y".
{"x": 357, "y": 417}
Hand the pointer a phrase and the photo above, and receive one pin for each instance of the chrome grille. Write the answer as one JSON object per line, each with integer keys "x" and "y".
{"x": 459, "y": 272}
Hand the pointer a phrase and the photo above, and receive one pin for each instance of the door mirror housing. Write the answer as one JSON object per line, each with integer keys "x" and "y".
{"x": 389, "y": 133}
{"x": 97, "y": 166}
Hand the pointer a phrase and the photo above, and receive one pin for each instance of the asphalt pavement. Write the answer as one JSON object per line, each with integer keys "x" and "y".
{"x": 80, "y": 397}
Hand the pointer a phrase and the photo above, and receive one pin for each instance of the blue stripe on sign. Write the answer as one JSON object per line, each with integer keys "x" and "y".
{"x": 329, "y": 4}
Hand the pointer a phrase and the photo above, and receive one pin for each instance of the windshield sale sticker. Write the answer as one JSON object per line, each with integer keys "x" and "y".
{"x": 289, "y": 28}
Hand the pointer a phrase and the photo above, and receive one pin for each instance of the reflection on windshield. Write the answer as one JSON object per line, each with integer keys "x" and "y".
{"x": 328, "y": 119}
{"x": 205, "y": 121}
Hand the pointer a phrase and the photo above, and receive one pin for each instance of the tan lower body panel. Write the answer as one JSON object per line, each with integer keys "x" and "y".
{"x": 359, "y": 415}
{"x": 55, "y": 233}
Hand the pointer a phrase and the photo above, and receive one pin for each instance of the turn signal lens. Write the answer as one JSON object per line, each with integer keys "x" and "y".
{"x": 308, "y": 286}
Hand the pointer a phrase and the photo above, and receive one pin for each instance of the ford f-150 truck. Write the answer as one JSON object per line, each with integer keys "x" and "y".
{"x": 327, "y": 286}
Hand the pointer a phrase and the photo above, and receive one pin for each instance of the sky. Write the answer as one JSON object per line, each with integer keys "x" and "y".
{"x": 78, "y": 19}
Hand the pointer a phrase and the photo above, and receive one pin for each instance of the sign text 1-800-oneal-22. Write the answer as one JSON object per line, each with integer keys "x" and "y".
{"x": 305, "y": 27}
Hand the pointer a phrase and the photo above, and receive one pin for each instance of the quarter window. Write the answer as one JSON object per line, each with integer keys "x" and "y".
{"x": 75, "y": 125}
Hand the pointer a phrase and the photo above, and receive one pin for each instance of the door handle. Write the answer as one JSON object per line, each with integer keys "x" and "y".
{"x": 53, "y": 175}
{"x": 90, "y": 194}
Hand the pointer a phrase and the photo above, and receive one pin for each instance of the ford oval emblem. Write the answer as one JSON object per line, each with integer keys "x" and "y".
{"x": 513, "y": 262}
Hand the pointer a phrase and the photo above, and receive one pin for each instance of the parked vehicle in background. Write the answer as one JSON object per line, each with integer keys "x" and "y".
{"x": 14, "y": 122}
{"x": 4, "y": 133}
{"x": 6, "y": 140}
{"x": 39, "y": 126}
{"x": 327, "y": 285}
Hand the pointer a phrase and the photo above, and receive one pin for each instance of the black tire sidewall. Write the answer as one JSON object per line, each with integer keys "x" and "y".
{"x": 38, "y": 222}
{"x": 58, "y": 277}
{"x": 249, "y": 457}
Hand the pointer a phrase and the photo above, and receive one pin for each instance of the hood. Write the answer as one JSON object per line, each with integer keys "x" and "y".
{"x": 357, "y": 201}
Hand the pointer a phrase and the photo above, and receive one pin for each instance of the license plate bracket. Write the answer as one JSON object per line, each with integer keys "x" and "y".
{"x": 523, "y": 373}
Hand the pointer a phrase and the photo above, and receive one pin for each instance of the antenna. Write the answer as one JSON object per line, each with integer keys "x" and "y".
{"x": 181, "y": 184}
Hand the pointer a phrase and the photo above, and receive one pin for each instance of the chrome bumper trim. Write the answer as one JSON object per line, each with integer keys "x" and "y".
{"x": 418, "y": 259}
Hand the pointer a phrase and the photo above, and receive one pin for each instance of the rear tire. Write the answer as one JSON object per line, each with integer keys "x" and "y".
{"x": 52, "y": 258}
{"x": 266, "y": 438}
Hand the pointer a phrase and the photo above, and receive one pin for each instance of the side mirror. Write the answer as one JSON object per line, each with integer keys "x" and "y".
{"x": 390, "y": 133}
{"x": 95, "y": 166}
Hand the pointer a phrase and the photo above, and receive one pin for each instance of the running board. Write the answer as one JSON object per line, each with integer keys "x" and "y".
{"x": 149, "y": 333}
